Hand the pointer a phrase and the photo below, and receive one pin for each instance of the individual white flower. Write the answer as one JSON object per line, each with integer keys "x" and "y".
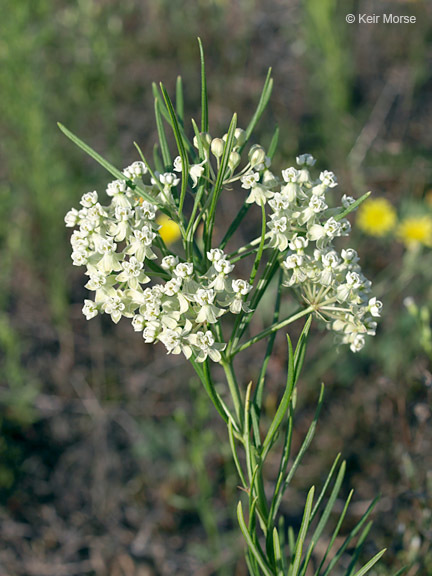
{"x": 215, "y": 254}
{"x": 97, "y": 280}
{"x": 146, "y": 211}
{"x": 135, "y": 170}
{"x": 138, "y": 323}
{"x": 72, "y": 218}
{"x": 249, "y": 180}
{"x": 183, "y": 270}
{"x": 169, "y": 179}
{"x": 298, "y": 244}
{"x": 169, "y": 262}
{"x": 279, "y": 202}
{"x": 259, "y": 194}
{"x": 375, "y": 307}
{"x": 290, "y": 175}
{"x": 223, "y": 267}
{"x": 90, "y": 199}
{"x": 79, "y": 258}
{"x": 176, "y": 340}
{"x": 208, "y": 311}
{"x": 293, "y": 264}
{"x": 195, "y": 172}
{"x": 207, "y": 346}
{"x": 240, "y": 288}
{"x": 114, "y": 306}
{"x": 328, "y": 179}
{"x": 90, "y": 309}
{"x": 278, "y": 227}
{"x": 117, "y": 188}
{"x": 357, "y": 343}
{"x": 151, "y": 331}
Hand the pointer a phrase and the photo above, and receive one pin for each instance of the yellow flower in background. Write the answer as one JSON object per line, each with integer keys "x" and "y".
{"x": 169, "y": 230}
{"x": 416, "y": 230}
{"x": 376, "y": 217}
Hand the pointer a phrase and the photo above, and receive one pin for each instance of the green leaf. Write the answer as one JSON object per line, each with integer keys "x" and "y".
{"x": 157, "y": 161}
{"x": 283, "y": 406}
{"x": 166, "y": 156}
{"x": 371, "y": 563}
{"x": 260, "y": 385}
{"x": 179, "y": 100}
{"x": 335, "y": 532}
{"x": 327, "y": 510}
{"x": 358, "y": 549}
{"x": 306, "y": 443}
{"x": 349, "y": 538}
{"x": 294, "y": 570}
{"x": 273, "y": 143}
{"x": 300, "y": 352}
{"x": 265, "y": 97}
{"x": 278, "y": 553}
{"x": 107, "y": 165}
{"x": 180, "y": 146}
{"x": 204, "y": 98}
{"x": 228, "y": 146}
{"x": 257, "y": 553}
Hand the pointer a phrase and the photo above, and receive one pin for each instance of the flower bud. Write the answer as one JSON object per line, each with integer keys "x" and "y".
{"x": 217, "y": 147}
{"x": 240, "y": 136}
{"x": 257, "y": 155}
{"x": 234, "y": 160}
{"x": 205, "y": 140}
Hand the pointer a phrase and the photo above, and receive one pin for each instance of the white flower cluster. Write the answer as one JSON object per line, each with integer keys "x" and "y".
{"x": 115, "y": 242}
{"x": 304, "y": 227}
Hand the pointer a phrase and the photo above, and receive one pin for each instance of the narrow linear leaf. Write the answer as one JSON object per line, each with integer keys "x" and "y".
{"x": 358, "y": 549}
{"x": 204, "y": 98}
{"x": 180, "y": 146}
{"x": 326, "y": 513}
{"x": 107, "y": 165}
{"x": 284, "y": 403}
{"x": 258, "y": 555}
{"x": 300, "y": 352}
{"x": 273, "y": 143}
{"x": 157, "y": 160}
{"x": 166, "y": 156}
{"x": 335, "y": 532}
{"x": 302, "y": 534}
{"x": 306, "y": 443}
{"x": 263, "y": 101}
{"x": 179, "y": 100}
{"x": 350, "y": 537}
{"x": 371, "y": 563}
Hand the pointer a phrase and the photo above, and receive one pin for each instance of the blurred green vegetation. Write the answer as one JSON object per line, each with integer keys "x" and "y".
{"x": 357, "y": 97}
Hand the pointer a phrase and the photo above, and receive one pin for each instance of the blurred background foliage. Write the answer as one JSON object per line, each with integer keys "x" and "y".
{"x": 104, "y": 467}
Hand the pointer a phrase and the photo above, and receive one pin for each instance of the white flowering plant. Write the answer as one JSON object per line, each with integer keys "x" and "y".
{"x": 190, "y": 299}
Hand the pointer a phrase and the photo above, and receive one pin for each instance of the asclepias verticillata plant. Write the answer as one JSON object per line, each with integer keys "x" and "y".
{"x": 192, "y": 302}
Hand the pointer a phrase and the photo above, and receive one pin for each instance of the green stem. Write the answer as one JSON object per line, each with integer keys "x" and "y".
{"x": 273, "y": 328}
